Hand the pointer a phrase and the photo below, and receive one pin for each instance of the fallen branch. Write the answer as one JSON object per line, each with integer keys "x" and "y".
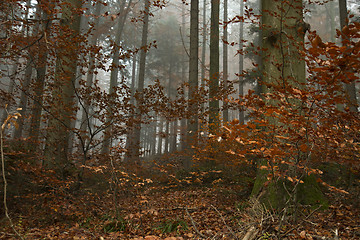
{"x": 222, "y": 218}
{"x": 194, "y": 225}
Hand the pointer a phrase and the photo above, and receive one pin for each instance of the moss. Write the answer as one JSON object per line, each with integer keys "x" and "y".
{"x": 275, "y": 196}
{"x": 309, "y": 193}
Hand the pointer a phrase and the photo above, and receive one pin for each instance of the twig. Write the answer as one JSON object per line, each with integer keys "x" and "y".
{"x": 250, "y": 233}
{"x": 4, "y": 177}
{"x": 194, "y": 224}
{"x": 303, "y": 220}
{"x": 222, "y": 218}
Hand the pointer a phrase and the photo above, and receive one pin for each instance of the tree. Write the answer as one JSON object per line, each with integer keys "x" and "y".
{"x": 283, "y": 70}
{"x": 241, "y": 62}
{"x": 192, "y": 124}
{"x": 56, "y": 150}
{"x": 214, "y": 67}
{"x": 115, "y": 68}
{"x": 85, "y": 117}
{"x": 40, "y": 69}
{"x": 133, "y": 153}
{"x": 225, "y": 62}
{"x": 350, "y": 87}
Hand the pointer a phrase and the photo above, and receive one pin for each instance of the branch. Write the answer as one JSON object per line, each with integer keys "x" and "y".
{"x": 4, "y": 177}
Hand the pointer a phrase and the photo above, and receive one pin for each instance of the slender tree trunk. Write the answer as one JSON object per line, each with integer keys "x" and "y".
{"x": 13, "y": 74}
{"x": 183, "y": 69}
{"x": 173, "y": 134}
{"x": 225, "y": 63}
{"x": 85, "y": 117}
{"x": 153, "y": 137}
{"x": 39, "y": 82}
{"x": 160, "y": 136}
{"x": 24, "y": 98}
{"x": 241, "y": 63}
{"x": 349, "y": 88}
{"x": 27, "y": 79}
{"x": 130, "y": 132}
{"x": 133, "y": 151}
{"x": 203, "y": 55}
{"x": 214, "y": 68}
{"x": 192, "y": 125}
{"x": 115, "y": 71}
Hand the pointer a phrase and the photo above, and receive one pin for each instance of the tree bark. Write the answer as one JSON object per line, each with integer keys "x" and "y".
{"x": 115, "y": 71}
{"x": 283, "y": 65}
{"x": 85, "y": 117}
{"x": 56, "y": 150}
{"x": 192, "y": 124}
{"x": 133, "y": 151}
{"x": 214, "y": 122}
{"x": 241, "y": 63}
{"x": 350, "y": 88}
{"x": 225, "y": 63}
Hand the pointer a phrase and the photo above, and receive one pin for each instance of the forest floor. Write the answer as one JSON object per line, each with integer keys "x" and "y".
{"x": 160, "y": 211}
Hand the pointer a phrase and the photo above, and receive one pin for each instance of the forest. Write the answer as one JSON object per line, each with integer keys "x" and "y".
{"x": 180, "y": 119}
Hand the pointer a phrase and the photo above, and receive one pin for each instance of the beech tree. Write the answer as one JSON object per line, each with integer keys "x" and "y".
{"x": 56, "y": 150}
{"x": 124, "y": 10}
{"x": 225, "y": 62}
{"x": 214, "y": 68}
{"x": 283, "y": 68}
{"x": 133, "y": 153}
{"x": 350, "y": 88}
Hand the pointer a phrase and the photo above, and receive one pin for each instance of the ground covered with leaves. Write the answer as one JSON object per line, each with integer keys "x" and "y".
{"x": 210, "y": 206}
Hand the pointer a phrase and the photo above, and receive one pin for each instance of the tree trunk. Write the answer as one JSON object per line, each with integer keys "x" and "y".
{"x": 173, "y": 136}
{"x": 241, "y": 62}
{"x": 133, "y": 151}
{"x": 350, "y": 88}
{"x": 40, "y": 69}
{"x": 85, "y": 116}
{"x": 130, "y": 132}
{"x": 192, "y": 124}
{"x": 214, "y": 123}
{"x": 183, "y": 69}
{"x": 115, "y": 72}
{"x": 283, "y": 65}
{"x": 225, "y": 64}
{"x": 56, "y": 151}
{"x": 203, "y": 60}
{"x": 27, "y": 79}
{"x": 160, "y": 136}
